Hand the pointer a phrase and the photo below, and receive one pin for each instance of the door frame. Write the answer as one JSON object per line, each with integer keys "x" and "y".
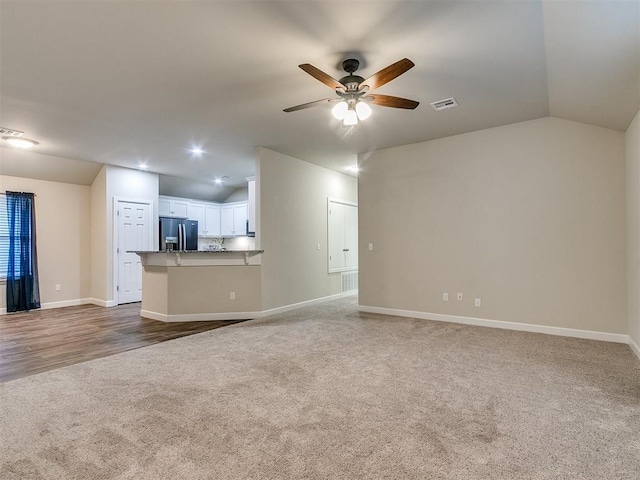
{"x": 115, "y": 237}
{"x": 331, "y": 200}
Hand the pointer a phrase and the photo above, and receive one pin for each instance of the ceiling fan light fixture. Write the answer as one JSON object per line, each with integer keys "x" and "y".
{"x": 350, "y": 118}
{"x": 340, "y": 110}
{"x": 20, "y": 142}
{"x": 363, "y": 110}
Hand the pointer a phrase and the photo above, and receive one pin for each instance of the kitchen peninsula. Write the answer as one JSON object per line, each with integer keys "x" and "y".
{"x": 182, "y": 286}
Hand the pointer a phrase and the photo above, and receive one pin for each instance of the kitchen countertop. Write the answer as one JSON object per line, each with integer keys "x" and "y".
{"x": 181, "y": 252}
{"x": 199, "y": 258}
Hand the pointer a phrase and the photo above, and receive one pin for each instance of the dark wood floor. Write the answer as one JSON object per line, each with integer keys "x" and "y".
{"x": 42, "y": 340}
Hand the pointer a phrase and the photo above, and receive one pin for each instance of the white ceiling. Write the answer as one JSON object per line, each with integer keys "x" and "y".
{"x": 140, "y": 81}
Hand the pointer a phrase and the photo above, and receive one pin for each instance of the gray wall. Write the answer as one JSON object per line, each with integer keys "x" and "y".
{"x": 292, "y": 221}
{"x": 633, "y": 228}
{"x": 530, "y": 217}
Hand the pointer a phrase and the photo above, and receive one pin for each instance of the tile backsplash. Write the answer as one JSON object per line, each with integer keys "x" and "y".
{"x": 235, "y": 243}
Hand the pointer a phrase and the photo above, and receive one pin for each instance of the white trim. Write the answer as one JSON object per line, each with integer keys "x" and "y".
{"x": 114, "y": 238}
{"x": 198, "y": 317}
{"x": 482, "y": 322}
{"x": 204, "y": 317}
{"x": 306, "y": 303}
{"x": 102, "y": 303}
{"x": 634, "y": 347}
{"x": 67, "y": 303}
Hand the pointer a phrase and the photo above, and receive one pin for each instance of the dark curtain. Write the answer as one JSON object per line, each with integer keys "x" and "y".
{"x": 23, "y": 291}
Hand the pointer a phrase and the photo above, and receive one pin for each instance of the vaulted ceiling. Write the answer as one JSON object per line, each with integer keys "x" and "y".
{"x": 133, "y": 82}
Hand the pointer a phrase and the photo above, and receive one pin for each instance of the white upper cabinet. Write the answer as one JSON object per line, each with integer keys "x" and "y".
{"x": 196, "y": 212}
{"x": 173, "y": 207}
{"x": 233, "y": 219}
{"x": 208, "y": 217}
{"x": 212, "y": 220}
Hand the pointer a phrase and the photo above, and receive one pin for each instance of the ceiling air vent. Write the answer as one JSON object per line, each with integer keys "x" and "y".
{"x": 444, "y": 104}
{"x": 7, "y": 132}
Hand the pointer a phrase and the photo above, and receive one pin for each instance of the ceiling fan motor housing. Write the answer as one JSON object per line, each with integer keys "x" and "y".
{"x": 351, "y": 81}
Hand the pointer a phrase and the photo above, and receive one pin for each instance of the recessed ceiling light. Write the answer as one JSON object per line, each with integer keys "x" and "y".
{"x": 197, "y": 151}
{"x": 20, "y": 142}
{"x": 217, "y": 181}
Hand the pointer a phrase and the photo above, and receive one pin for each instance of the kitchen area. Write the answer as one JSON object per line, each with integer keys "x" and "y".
{"x": 207, "y": 266}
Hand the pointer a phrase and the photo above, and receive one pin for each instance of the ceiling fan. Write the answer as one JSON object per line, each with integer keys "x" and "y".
{"x": 353, "y": 91}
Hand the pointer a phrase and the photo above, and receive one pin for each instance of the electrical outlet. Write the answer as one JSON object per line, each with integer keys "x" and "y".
{"x": 459, "y": 296}
{"x": 370, "y": 246}
{"x": 58, "y": 287}
{"x": 445, "y": 297}
{"x": 232, "y": 295}
{"x": 478, "y": 302}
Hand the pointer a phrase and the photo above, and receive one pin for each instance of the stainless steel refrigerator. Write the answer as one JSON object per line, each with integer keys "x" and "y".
{"x": 178, "y": 234}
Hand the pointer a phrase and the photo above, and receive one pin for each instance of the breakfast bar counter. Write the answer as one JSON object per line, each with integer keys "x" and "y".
{"x": 182, "y": 286}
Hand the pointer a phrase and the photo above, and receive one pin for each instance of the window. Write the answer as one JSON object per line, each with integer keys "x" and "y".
{"x": 4, "y": 239}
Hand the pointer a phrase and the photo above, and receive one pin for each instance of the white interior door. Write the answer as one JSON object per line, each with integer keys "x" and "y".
{"x": 336, "y": 236}
{"x": 134, "y": 233}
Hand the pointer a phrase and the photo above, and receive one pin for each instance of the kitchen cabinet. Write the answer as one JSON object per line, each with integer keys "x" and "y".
{"x": 233, "y": 219}
{"x": 212, "y": 220}
{"x": 208, "y": 217}
{"x": 196, "y": 212}
{"x": 343, "y": 235}
{"x": 173, "y": 207}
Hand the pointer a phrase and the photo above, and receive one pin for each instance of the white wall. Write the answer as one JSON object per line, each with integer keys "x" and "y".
{"x": 633, "y": 229}
{"x": 99, "y": 267}
{"x": 63, "y": 239}
{"x": 126, "y": 184}
{"x": 292, "y": 212}
{"x": 530, "y": 217}
{"x": 114, "y": 182}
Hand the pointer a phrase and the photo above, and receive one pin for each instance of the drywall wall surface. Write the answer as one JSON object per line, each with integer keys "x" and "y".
{"x": 529, "y": 217}
{"x": 63, "y": 238}
{"x": 633, "y": 227}
{"x": 99, "y": 236}
{"x": 292, "y": 222}
{"x": 16, "y": 162}
{"x": 240, "y": 194}
{"x": 129, "y": 185}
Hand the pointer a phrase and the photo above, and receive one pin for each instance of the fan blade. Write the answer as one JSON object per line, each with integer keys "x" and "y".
{"x": 318, "y": 74}
{"x": 394, "y": 102}
{"x": 387, "y": 74}
{"x": 309, "y": 105}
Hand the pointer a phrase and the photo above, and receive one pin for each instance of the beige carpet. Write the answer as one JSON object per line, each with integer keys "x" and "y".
{"x": 328, "y": 393}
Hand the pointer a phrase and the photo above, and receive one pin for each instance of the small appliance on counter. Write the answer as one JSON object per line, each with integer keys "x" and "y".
{"x": 178, "y": 234}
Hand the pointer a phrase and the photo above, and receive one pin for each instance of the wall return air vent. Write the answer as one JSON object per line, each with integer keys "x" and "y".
{"x": 444, "y": 104}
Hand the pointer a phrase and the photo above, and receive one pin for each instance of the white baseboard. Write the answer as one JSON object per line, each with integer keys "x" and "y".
{"x": 203, "y": 317}
{"x": 483, "y": 322}
{"x": 306, "y": 303}
{"x": 102, "y": 303}
{"x": 634, "y": 347}
{"x": 63, "y": 303}
{"x": 199, "y": 317}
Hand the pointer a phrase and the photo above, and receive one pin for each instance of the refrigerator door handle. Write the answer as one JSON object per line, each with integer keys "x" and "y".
{"x": 179, "y": 237}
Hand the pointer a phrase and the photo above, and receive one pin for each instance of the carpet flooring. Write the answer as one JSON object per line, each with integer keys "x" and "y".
{"x": 326, "y": 392}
